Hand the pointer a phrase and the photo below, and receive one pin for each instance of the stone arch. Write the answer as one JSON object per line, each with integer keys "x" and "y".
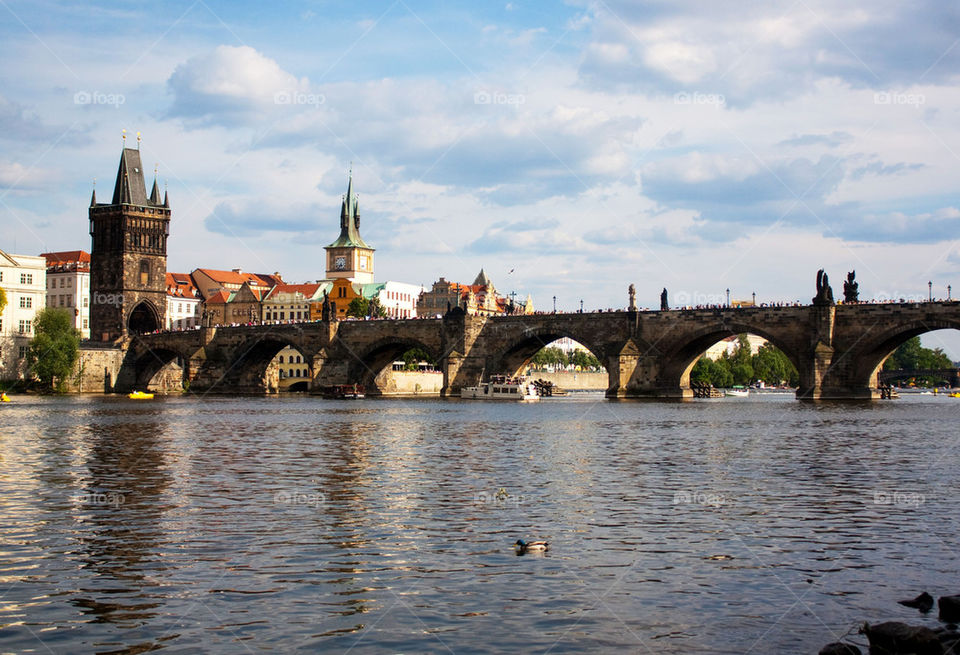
{"x": 521, "y": 349}
{"x": 144, "y": 318}
{"x": 368, "y": 368}
{"x": 866, "y": 363}
{"x": 682, "y": 360}
{"x": 249, "y": 366}
{"x": 160, "y": 369}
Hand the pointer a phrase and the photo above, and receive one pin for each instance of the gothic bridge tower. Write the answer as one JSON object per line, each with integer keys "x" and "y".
{"x": 128, "y": 257}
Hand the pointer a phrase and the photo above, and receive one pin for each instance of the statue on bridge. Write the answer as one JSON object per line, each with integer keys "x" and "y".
{"x": 664, "y": 305}
{"x": 851, "y": 289}
{"x": 325, "y": 315}
{"x": 824, "y": 292}
{"x": 632, "y": 307}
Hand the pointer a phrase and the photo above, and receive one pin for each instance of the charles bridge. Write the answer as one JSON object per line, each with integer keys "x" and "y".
{"x": 837, "y": 349}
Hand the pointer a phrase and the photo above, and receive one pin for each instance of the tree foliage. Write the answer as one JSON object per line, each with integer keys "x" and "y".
{"x": 912, "y": 356}
{"x": 552, "y": 356}
{"x": 414, "y": 356}
{"x": 740, "y": 367}
{"x": 361, "y": 307}
{"x": 3, "y": 299}
{"x": 54, "y": 348}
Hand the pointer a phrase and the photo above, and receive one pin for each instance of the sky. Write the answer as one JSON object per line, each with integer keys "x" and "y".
{"x": 568, "y": 148}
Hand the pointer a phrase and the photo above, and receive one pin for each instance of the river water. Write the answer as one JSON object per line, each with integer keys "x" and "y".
{"x": 248, "y": 525}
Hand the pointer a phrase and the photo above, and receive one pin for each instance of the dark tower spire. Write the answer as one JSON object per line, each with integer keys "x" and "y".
{"x": 93, "y": 196}
{"x": 350, "y": 219}
{"x": 155, "y": 192}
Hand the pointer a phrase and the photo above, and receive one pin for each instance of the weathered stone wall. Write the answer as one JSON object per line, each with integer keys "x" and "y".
{"x": 573, "y": 380}
{"x": 409, "y": 383}
{"x": 96, "y": 370}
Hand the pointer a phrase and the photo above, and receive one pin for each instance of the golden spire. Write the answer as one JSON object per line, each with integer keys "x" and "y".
{"x": 124, "y": 137}
{"x": 138, "y": 140}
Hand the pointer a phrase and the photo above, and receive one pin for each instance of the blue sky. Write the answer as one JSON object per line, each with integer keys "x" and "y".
{"x": 583, "y": 146}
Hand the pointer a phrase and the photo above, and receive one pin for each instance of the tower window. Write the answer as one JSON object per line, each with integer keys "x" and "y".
{"x": 144, "y": 273}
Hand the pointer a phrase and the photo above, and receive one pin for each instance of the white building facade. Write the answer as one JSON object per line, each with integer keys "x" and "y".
{"x": 183, "y": 302}
{"x": 68, "y": 286}
{"x": 399, "y": 299}
{"x": 24, "y": 279}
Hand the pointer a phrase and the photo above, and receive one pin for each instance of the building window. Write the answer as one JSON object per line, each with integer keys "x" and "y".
{"x": 25, "y": 327}
{"x": 26, "y": 302}
{"x": 281, "y": 359}
{"x": 26, "y": 278}
{"x": 85, "y": 324}
{"x": 62, "y": 300}
{"x": 70, "y": 282}
{"x": 62, "y": 282}
{"x": 23, "y": 352}
{"x": 86, "y": 301}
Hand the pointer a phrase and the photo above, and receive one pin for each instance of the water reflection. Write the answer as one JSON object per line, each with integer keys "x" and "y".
{"x": 224, "y": 524}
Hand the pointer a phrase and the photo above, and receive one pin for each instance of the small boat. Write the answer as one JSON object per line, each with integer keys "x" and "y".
{"x": 502, "y": 387}
{"x": 737, "y": 392}
{"x": 140, "y": 395}
{"x": 344, "y": 391}
{"x": 4, "y": 398}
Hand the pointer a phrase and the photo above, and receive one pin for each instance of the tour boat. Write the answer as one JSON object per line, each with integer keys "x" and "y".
{"x": 501, "y": 387}
{"x": 344, "y": 391}
{"x": 140, "y": 395}
{"x": 737, "y": 392}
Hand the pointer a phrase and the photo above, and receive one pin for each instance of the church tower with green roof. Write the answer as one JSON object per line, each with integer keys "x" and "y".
{"x": 349, "y": 257}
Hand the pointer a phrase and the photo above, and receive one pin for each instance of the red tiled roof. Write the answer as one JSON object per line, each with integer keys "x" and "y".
{"x": 231, "y": 277}
{"x": 66, "y": 257}
{"x": 220, "y": 297}
{"x": 181, "y": 285}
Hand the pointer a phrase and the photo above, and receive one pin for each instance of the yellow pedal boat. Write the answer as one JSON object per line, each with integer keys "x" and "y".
{"x": 140, "y": 395}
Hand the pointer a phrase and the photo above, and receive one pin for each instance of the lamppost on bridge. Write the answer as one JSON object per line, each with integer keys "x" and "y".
{"x": 948, "y": 292}
{"x": 754, "y": 298}
{"x": 581, "y": 305}
{"x": 930, "y": 289}
{"x": 728, "y": 296}
{"x": 554, "y": 304}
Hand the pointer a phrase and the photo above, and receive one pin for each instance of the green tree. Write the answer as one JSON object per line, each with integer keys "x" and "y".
{"x": 911, "y": 355}
{"x": 361, "y": 307}
{"x": 414, "y": 356}
{"x": 709, "y": 371}
{"x": 549, "y": 357}
{"x": 54, "y": 348}
{"x": 3, "y": 299}
{"x": 584, "y": 360}
{"x": 740, "y": 362}
{"x": 773, "y": 367}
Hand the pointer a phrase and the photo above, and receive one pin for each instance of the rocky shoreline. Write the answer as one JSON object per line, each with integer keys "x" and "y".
{"x": 896, "y": 638}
